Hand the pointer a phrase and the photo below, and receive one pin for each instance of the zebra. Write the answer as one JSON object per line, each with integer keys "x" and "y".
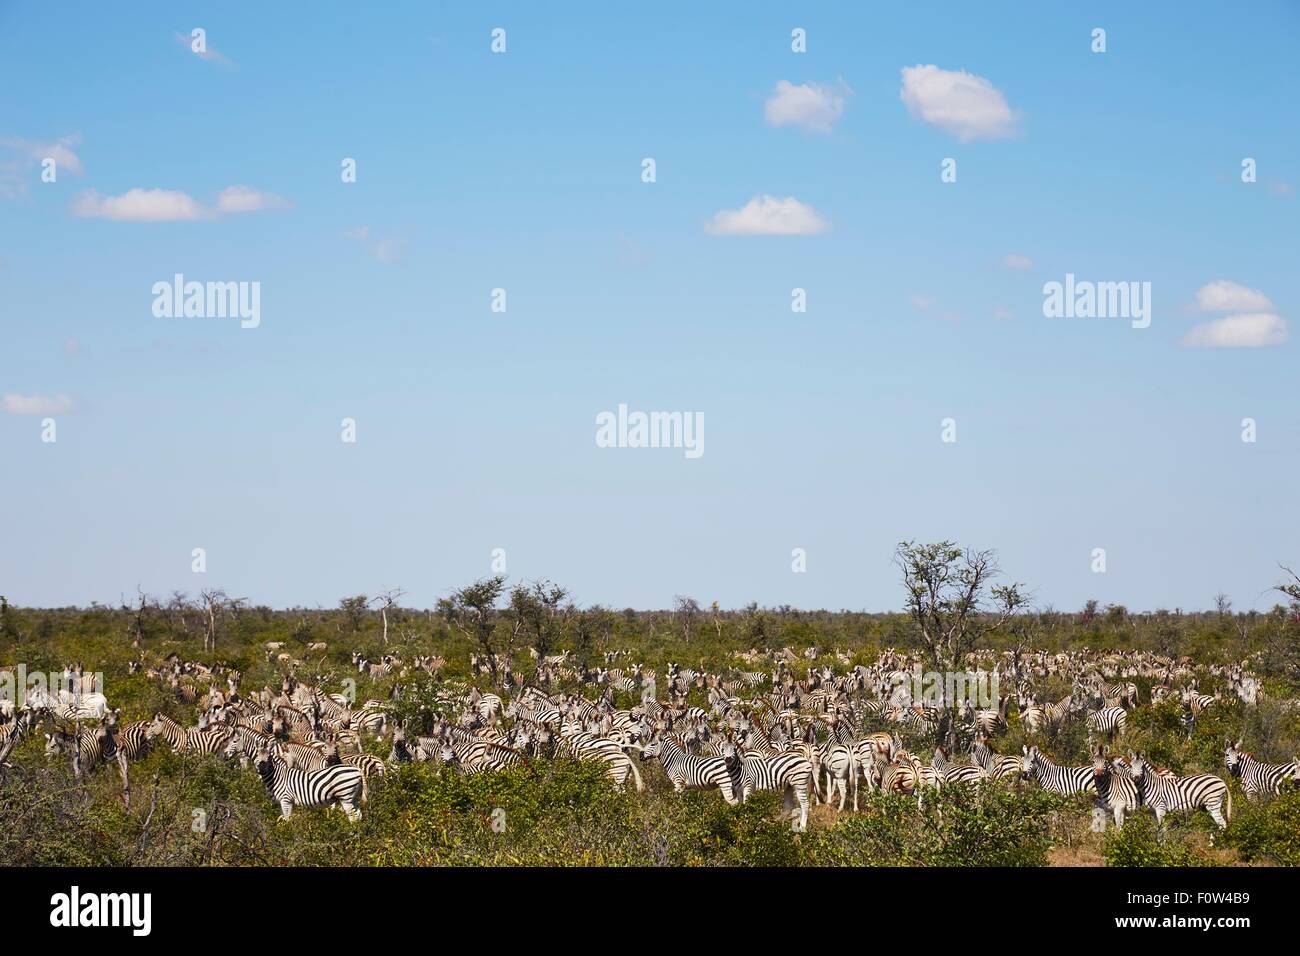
{"x": 1257, "y": 777}
{"x": 1117, "y": 791}
{"x": 998, "y": 766}
{"x": 181, "y": 738}
{"x": 956, "y": 773}
{"x": 337, "y": 784}
{"x": 1109, "y": 721}
{"x": 790, "y": 772}
{"x": 477, "y": 756}
{"x": 1198, "y": 791}
{"x": 585, "y": 746}
{"x": 1053, "y": 778}
{"x": 686, "y": 770}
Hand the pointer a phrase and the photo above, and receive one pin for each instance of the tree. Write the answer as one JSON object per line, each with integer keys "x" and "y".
{"x": 541, "y": 613}
{"x": 354, "y": 611}
{"x": 947, "y": 588}
{"x": 215, "y": 605}
{"x": 472, "y": 611}
{"x": 686, "y": 610}
{"x": 386, "y": 600}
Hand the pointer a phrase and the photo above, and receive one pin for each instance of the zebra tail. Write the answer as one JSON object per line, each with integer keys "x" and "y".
{"x": 636, "y": 775}
{"x": 1227, "y": 806}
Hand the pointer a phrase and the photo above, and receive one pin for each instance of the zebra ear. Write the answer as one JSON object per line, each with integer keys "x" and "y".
{"x": 1239, "y": 743}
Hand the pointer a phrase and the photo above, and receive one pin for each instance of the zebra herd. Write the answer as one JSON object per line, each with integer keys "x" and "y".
{"x": 756, "y": 726}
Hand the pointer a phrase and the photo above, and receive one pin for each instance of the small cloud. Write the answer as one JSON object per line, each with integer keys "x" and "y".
{"x": 1252, "y": 331}
{"x": 810, "y": 105}
{"x": 167, "y": 205}
{"x": 1015, "y": 261}
{"x": 387, "y": 249}
{"x": 243, "y": 199}
{"x": 1280, "y": 188}
{"x": 1003, "y": 314}
{"x": 139, "y": 205}
{"x": 957, "y": 102}
{"x": 922, "y": 301}
{"x": 16, "y": 404}
{"x": 209, "y": 54}
{"x": 768, "y": 216}
{"x": 15, "y": 172}
{"x": 72, "y": 347}
{"x": 1223, "y": 295}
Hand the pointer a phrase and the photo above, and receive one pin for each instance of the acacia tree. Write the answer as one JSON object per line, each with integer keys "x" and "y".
{"x": 541, "y": 613}
{"x": 953, "y": 606}
{"x": 472, "y": 610}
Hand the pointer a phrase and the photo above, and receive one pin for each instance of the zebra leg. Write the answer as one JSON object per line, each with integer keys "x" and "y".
{"x": 286, "y": 808}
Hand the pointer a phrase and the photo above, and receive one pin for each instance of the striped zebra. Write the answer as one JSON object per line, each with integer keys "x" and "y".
{"x": 903, "y": 775}
{"x": 1117, "y": 791}
{"x": 290, "y": 787}
{"x": 1257, "y": 777}
{"x": 1056, "y": 779}
{"x": 956, "y": 773}
{"x": 477, "y": 756}
{"x": 1196, "y": 792}
{"x": 999, "y": 767}
{"x": 584, "y": 746}
{"x": 790, "y": 772}
{"x": 182, "y": 738}
{"x": 1107, "y": 722}
{"x": 688, "y": 771}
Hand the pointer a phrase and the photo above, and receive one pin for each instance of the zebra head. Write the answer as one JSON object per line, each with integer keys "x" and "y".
{"x": 1028, "y": 761}
{"x": 1100, "y": 765}
{"x": 1138, "y": 765}
{"x": 155, "y": 728}
{"x": 447, "y": 756}
{"x": 234, "y": 747}
{"x": 55, "y": 743}
{"x": 1232, "y": 754}
{"x": 264, "y": 762}
{"x": 651, "y": 750}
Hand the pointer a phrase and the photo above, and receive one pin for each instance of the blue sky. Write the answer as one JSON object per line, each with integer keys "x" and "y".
{"x": 522, "y": 171}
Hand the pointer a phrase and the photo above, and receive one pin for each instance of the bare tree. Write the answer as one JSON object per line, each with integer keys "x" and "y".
{"x": 387, "y": 600}
{"x": 687, "y": 611}
{"x": 215, "y": 604}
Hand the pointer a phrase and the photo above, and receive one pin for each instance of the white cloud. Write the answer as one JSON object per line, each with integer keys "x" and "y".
{"x": 244, "y": 199}
{"x": 1016, "y": 261}
{"x": 811, "y": 105}
{"x": 1223, "y": 295}
{"x": 16, "y": 173}
{"x": 139, "y": 205}
{"x": 72, "y": 346}
{"x": 386, "y": 249}
{"x": 968, "y": 106}
{"x": 1249, "y": 331}
{"x": 923, "y": 301}
{"x": 16, "y": 404}
{"x": 166, "y": 205}
{"x": 767, "y": 216}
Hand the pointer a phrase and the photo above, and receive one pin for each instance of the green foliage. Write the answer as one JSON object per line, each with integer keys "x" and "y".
{"x": 1138, "y": 843}
{"x": 1268, "y": 832}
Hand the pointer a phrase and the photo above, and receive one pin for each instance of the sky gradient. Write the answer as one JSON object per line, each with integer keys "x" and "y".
{"x": 522, "y": 170}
